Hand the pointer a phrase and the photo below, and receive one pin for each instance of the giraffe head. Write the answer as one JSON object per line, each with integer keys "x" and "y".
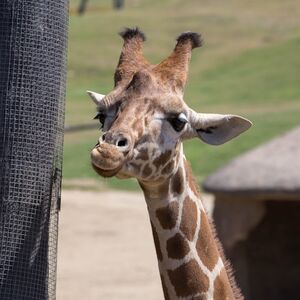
{"x": 145, "y": 119}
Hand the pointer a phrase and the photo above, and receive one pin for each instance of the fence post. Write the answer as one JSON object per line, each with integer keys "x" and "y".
{"x": 33, "y": 37}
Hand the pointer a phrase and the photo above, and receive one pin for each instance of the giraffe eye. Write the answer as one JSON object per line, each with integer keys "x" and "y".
{"x": 101, "y": 117}
{"x": 177, "y": 123}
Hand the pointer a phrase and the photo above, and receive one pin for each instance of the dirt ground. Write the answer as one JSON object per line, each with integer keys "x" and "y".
{"x": 105, "y": 248}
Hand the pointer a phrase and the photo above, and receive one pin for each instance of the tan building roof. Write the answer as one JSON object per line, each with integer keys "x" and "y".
{"x": 270, "y": 170}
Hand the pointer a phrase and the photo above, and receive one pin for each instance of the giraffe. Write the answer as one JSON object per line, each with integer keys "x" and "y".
{"x": 144, "y": 121}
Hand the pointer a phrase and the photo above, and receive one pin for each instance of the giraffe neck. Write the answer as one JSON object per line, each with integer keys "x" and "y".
{"x": 190, "y": 264}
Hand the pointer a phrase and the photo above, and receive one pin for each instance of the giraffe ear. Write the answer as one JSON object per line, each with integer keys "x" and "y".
{"x": 97, "y": 98}
{"x": 215, "y": 129}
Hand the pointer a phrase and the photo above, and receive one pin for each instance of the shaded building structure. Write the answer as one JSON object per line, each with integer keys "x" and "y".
{"x": 257, "y": 217}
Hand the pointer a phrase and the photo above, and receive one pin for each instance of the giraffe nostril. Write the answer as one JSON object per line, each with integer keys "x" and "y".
{"x": 122, "y": 142}
{"x": 103, "y": 137}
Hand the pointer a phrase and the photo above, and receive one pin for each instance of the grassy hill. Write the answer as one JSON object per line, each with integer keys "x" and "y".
{"x": 250, "y": 65}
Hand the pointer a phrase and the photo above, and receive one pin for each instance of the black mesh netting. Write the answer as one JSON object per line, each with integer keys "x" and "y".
{"x": 33, "y": 38}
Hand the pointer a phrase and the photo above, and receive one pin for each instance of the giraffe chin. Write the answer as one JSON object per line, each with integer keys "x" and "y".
{"x": 106, "y": 173}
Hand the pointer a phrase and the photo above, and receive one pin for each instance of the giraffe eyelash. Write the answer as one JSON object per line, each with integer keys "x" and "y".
{"x": 178, "y": 121}
{"x": 101, "y": 117}
{"x": 177, "y": 124}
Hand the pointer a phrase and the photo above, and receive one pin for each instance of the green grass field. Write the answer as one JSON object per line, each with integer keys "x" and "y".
{"x": 249, "y": 65}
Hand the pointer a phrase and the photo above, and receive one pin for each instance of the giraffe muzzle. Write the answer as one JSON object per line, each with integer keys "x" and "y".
{"x": 108, "y": 159}
{"x": 121, "y": 140}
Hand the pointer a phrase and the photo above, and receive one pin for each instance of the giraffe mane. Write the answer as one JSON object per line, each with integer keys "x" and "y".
{"x": 227, "y": 265}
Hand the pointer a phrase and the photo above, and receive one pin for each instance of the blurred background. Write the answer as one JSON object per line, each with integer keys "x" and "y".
{"x": 249, "y": 65}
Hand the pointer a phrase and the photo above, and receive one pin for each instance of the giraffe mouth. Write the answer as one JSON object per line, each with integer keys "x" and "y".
{"x": 106, "y": 160}
{"x": 106, "y": 173}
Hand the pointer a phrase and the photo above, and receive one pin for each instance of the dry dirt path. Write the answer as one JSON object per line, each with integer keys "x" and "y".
{"x": 105, "y": 248}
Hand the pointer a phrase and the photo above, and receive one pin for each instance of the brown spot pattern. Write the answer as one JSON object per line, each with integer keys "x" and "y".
{"x": 178, "y": 182}
{"x": 200, "y": 297}
{"x": 188, "y": 279}
{"x": 190, "y": 179}
{"x": 162, "y": 159}
{"x": 146, "y": 171}
{"x": 165, "y": 290}
{"x": 168, "y": 168}
{"x": 134, "y": 165}
{"x": 156, "y": 243}
{"x": 189, "y": 218}
{"x": 177, "y": 247}
{"x": 206, "y": 246}
{"x": 143, "y": 155}
{"x": 222, "y": 288}
{"x": 168, "y": 215}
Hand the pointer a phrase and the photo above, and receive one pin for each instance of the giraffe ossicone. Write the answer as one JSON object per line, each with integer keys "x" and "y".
{"x": 96, "y": 97}
{"x": 144, "y": 122}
